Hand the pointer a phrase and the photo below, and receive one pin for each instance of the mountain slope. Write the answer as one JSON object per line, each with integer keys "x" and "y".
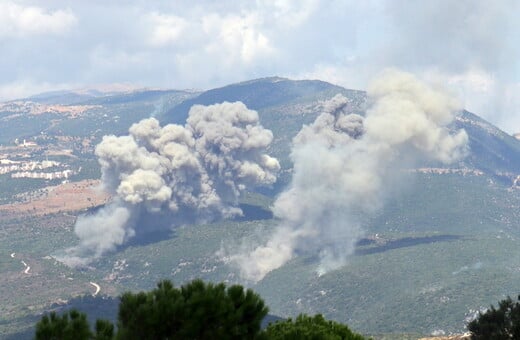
{"x": 444, "y": 245}
{"x": 261, "y": 94}
{"x": 492, "y": 150}
{"x": 285, "y": 105}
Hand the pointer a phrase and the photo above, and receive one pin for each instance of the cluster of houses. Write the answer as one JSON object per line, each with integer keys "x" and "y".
{"x": 34, "y": 169}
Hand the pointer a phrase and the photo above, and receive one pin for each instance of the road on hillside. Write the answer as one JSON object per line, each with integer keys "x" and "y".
{"x": 98, "y": 288}
{"x": 27, "y": 267}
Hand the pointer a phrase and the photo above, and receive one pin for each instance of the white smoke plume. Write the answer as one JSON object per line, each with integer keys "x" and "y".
{"x": 195, "y": 172}
{"x": 341, "y": 167}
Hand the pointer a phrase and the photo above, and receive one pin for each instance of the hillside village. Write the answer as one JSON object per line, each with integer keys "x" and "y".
{"x": 25, "y": 161}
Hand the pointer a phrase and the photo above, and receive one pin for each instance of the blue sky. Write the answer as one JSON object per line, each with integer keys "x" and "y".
{"x": 469, "y": 46}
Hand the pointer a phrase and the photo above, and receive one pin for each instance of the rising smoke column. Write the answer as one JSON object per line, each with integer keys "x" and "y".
{"x": 195, "y": 172}
{"x": 341, "y": 164}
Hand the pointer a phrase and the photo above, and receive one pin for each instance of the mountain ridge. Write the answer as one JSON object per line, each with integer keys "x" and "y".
{"x": 447, "y": 238}
{"x": 484, "y": 136}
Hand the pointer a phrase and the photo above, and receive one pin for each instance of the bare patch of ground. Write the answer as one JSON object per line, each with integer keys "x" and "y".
{"x": 68, "y": 197}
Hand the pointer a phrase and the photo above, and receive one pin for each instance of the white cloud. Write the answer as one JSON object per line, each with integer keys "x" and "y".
{"x": 473, "y": 86}
{"x": 17, "y": 20}
{"x": 454, "y": 35}
{"x": 292, "y": 12}
{"x": 510, "y": 119}
{"x": 236, "y": 37}
{"x": 469, "y": 45}
{"x": 474, "y": 79}
{"x": 351, "y": 73}
{"x": 105, "y": 59}
{"x": 166, "y": 29}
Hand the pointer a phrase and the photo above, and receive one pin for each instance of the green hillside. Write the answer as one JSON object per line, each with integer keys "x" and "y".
{"x": 444, "y": 246}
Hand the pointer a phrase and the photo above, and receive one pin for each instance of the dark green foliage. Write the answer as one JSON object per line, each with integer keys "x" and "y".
{"x": 197, "y": 310}
{"x": 310, "y": 328}
{"x": 72, "y": 325}
{"x": 104, "y": 330}
{"x": 498, "y": 324}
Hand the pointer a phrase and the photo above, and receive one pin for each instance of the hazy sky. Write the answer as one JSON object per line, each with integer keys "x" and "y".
{"x": 471, "y": 46}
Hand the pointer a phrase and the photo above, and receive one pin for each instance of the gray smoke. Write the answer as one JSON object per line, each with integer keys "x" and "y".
{"x": 472, "y": 42}
{"x": 341, "y": 163}
{"x": 194, "y": 172}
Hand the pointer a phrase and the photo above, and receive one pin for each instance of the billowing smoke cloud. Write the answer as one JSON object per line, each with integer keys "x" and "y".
{"x": 194, "y": 172}
{"x": 481, "y": 56}
{"x": 341, "y": 166}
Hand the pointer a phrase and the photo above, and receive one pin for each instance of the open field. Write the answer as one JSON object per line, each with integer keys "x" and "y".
{"x": 62, "y": 198}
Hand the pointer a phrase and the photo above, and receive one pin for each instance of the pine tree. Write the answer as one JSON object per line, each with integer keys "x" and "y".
{"x": 70, "y": 326}
{"x": 310, "y": 328}
{"x": 197, "y": 310}
{"x": 498, "y": 324}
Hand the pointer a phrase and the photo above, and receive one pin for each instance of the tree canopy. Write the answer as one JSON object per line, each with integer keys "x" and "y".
{"x": 71, "y": 325}
{"x": 197, "y": 310}
{"x": 310, "y": 328}
{"x": 498, "y": 324}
